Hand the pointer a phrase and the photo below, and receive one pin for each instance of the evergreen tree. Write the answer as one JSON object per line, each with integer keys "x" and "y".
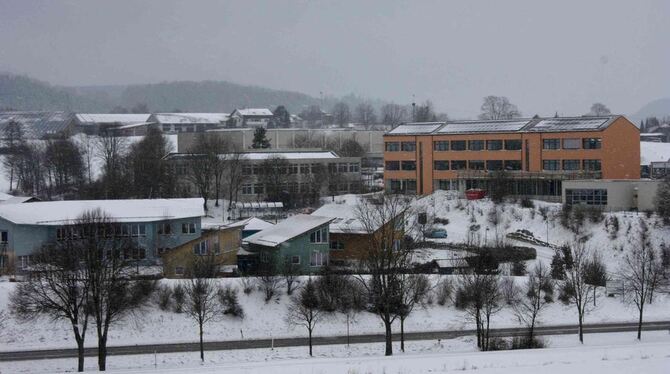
{"x": 282, "y": 118}
{"x": 663, "y": 200}
{"x": 260, "y": 140}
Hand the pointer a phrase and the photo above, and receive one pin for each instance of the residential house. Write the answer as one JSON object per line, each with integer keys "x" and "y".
{"x": 154, "y": 225}
{"x": 250, "y": 117}
{"x": 217, "y": 244}
{"x": 300, "y": 241}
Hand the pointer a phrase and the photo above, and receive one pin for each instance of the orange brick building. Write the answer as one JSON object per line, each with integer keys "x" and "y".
{"x": 538, "y": 154}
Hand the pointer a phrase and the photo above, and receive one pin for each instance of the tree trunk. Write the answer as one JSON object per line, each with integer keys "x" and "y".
{"x": 402, "y": 334}
{"x": 639, "y": 324}
{"x": 581, "y": 329}
{"x": 594, "y": 296}
{"x": 102, "y": 353}
{"x": 479, "y": 331}
{"x": 80, "y": 353}
{"x": 202, "y": 348}
{"x": 310, "y": 342}
{"x": 389, "y": 338}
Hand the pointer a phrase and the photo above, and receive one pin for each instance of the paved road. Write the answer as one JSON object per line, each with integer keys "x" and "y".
{"x": 294, "y": 342}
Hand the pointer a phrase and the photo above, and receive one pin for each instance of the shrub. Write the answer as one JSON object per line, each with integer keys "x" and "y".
{"x": 164, "y": 297}
{"x": 179, "y": 298}
{"x": 566, "y": 293}
{"x": 509, "y": 290}
{"x": 247, "y": 284}
{"x": 544, "y": 212}
{"x": 519, "y": 268}
{"x": 268, "y": 283}
{"x": 523, "y": 342}
{"x": 497, "y": 344}
{"x": 229, "y": 301}
{"x": 443, "y": 291}
{"x": 527, "y": 203}
{"x": 339, "y": 292}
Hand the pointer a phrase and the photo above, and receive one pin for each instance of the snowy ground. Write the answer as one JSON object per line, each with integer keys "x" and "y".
{"x": 612, "y": 353}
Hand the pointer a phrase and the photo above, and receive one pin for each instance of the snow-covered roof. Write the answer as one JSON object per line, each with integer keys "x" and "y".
{"x": 193, "y": 118}
{"x": 5, "y": 196}
{"x": 259, "y": 205}
{"x": 64, "y": 212}
{"x": 345, "y": 213}
{"x": 17, "y": 199}
{"x": 653, "y": 151}
{"x": 36, "y": 124}
{"x": 291, "y": 155}
{"x": 253, "y": 112}
{"x": 124, "y": 119}
{"x": 287, "y": 229}
{"x": 558, "y": 124}
{"x": 251, "y": 224}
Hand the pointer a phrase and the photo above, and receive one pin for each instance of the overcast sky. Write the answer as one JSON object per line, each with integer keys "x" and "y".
{"x": 546, "y": 56}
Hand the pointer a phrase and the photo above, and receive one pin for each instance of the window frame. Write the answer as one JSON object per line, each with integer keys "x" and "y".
{"x": 441, "y": 162}
{"x": 441, "y": 145}
{"x": 461, "y": 145}
{"x": 551, "y": 143}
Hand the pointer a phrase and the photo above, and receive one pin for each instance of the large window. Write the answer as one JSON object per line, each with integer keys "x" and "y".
{"x": 585, "y": 196}
{"x": 354, "y": 167}
{"x": 591, "y": 143}
{"x": 458, "y": 145}
{"x": 188, "y": 228}
{"x": 494, "y": 165}
{"x": 304, "y": 169}
{"x": 475, "y": 145}
{"x": 551, "y": 143}
{"x": 408, "y": 165}
{"x": 447, "y": 184}
{"x": 336, "y": 245}
{"x": 571, "y": 143}
{"x": 392, "y": 165}
{"x": 513, "y": 145}
{"x": 342, "y": 168}
{"x": 551, "y": 165}
{"x": 458, "y": 165}
{"x": 164, "y": 229}
{"x": 512, "y": 165}
{"x": 441, "y": 165}
{"x": 247, "y": 189}
{"x": 408, "y": 146}
{"x": 442, "y": 145}
{"x": 476, "y": 165}
{"x": 200, "y": 248}
{"x": 402, "y": 186}
{"x": 592, "y": 165}
{"x": 494, "y": 145}
{"x": 392, "y": 147}
{"x": 318, "y": 259}
{"x": 319, "y": 236}
{"x": 3, "y": 237}
{"x": 571, "y": 164}
{"x": 139, "y": 230}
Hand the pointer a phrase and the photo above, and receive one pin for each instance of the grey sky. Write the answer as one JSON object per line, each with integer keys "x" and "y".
{"x": 546, "y": 56}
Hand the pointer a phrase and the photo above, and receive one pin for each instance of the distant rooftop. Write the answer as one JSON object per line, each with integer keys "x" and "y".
{"x": 287, "y": 229}
{"x": 36, "y": 124}
{"x": 558, "y": 124}
{"x": 254, "y": 112}
{"x": 123, "y": 119}
{"x": 297, "y": 155}
{"x": 190, "y": 118}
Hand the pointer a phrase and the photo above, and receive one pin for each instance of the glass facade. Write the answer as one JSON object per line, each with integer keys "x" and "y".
{"x": 586, "y": 196}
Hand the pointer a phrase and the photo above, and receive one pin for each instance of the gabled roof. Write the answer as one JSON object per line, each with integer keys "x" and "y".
{"x": 123, "y": 119}
{"x": 287, "y": 229}
{"x": 558, "y": 124}
{"x": 67, "y": 212}
{"x": 251, "y": 224}
{"x": 346, "y": 216}
{"x": 190, "y": 118}
{"x": 250, "y": 112}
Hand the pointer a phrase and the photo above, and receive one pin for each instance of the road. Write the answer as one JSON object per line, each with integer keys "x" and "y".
{"x": 322, "y": 340}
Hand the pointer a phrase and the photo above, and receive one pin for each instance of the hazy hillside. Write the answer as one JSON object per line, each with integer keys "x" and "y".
{"x": 657, "y": 108}
{"x": 24, "y": 93}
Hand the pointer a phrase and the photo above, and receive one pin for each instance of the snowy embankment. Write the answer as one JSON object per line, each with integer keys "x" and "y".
{"x": 615, "y": 353}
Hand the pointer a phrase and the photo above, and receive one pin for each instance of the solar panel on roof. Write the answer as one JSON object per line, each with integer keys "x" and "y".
{"x": 416, "y": 128}
{"x": 569, "y": 124}
{"x": 493, "y": 126}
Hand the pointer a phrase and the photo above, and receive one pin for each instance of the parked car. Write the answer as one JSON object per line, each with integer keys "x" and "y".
{"x": 435, "y": 233}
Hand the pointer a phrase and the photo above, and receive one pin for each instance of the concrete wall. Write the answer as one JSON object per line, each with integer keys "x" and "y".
{"x": 621, "y": 194}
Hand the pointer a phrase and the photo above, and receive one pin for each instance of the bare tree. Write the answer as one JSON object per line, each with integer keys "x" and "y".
{"x": 498, "y": 107}
{"x": 111, "y": 151}
{"x": 386, "y": 258}
{"x": 274, "y": 175}
{"x": 414, "y": 289}
{"x": 538, "y": 292}
{"x": 268, "y": 282}
{"x": 64, "y": 165}
{"x": 14, "y": 142}
{"x": 365, "y": 114}
{"x": 481, "y": 297}
{"x": 202, "y": 299}
{"x": 206, "y": 166}
{"x": 393, "y": 114}
{"x": 576, "y": 289}
{"x": 303, "y": 310}
{"x": 290, "y": 272}
{"x": 56, "y": 288}
{"x": 233, "y": 176}
{"x": 150, "y": 174}
{"x": 341, "y": 113}
{"x": 599, "y": 109}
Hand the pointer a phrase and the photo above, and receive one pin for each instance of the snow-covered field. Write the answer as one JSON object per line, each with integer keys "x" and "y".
{"x": 612, "y": 353}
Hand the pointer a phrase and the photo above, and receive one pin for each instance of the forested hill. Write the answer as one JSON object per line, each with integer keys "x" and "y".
{"x": 24, "y": 93}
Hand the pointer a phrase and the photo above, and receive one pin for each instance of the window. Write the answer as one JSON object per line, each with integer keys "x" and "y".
{"x": 247, "y": 189}
{"x": 571, "y": 164}
{"x": 591, "y": 143}
{"x": 447, "y": 184}
{"x": 441, "y": 146}
{"x": 295, "y": 260}
{"x": 293, "y": 168}
{"x": 512, "y": 165}
{"x": 336, "y": 245}
{"x": 476, "y": 145}
{"x": 458, "y": 145}
{"x": 188, "y": 228}
{"x": 392, "y": 165}
{"x": 441, "y": 165}
{"x": 3, "y": 237}
{"x": 513, "y": 145}
{"x": 319, "y": 236}
{"x": 161, "y": 250}
{"x": 586, "y": 196}
{"x": 138, "y": 230}
{"x": 258, "y": 188}
{"x": 304, "y": 169}
{"x": 458, "y": 165}
{"x": 392, "y": 147}
{"x": 592, "y": 165}
{"x": 551, "y": 144}
{"x": 139, "y": 253}
{"x": 408, "y": 165}
{"x": 332, "y": 168}
{"x": 179, "y": 270}
{"x": 216, "y": 247}
{"x": 125, "y": 230}
{"x": 410, "y": 186}
{"x": 494, "y": 145}
{"x": 318, "y": 259}
{"x": 24, "y": 261}
{"x": 408, "y": 146}
{"x": 342, "y": 168}
{"x": 265, "y": 257}
{"x": 246, "y": 170}
{"x": 61, "y": 233}
{"x": 494, "y": 165}
{"x": 200, "y": 248}
{"x": 571, "y": 143}
{"x": 354, "y": 167}
{"x": 164, "y": 229}
{"x": 551, "y": 165}
{"x": 401, "y": 185}
{"x": 476, "y": 165}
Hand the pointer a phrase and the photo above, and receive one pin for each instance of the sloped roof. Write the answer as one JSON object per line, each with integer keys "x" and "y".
{"x": 64, "y": 212}
{"x": 123, "y": 119}
{"x": 36, "y": 124}
{"x": 559, "y": 124}
{"x": 346, "y": 216}
{"x": 287, "y": 229}
{"x": 251, "y": 224}
{"x": 190, "y": 118}
{"x": 254, "y": 112}
{"x": 653, "y": 151}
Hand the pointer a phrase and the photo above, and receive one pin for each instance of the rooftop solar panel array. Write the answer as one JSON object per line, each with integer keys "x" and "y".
{"x": 482, "y": 126}
{"x": 569, "y": 124}
{"x": 416, "y": 128}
